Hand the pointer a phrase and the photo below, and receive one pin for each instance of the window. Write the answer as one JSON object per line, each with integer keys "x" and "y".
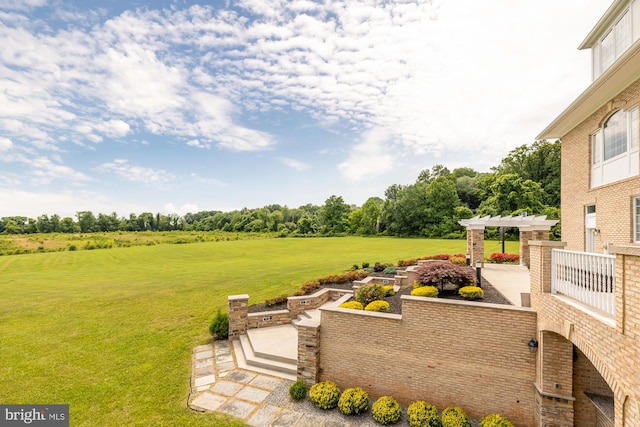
{"x": 614, "y": 148}
{"x": 636, "y": 219}
{"x": 615, "y": 42}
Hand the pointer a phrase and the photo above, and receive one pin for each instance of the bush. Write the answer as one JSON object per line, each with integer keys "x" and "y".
{"x": 421, "y": 414}
{"x": 276, "y": 300}
{"x": 353, "y": 305}
{"x": 471, "y": 292}
{"x": 425, "y": 291}
{"x": 439, "y": 273}
{"x": 389, "y": 290}
{"x": 455, "y": 417}
{"x": 458, "y": 260}
{"x": 325, "y": 395}
{"x": 495, "y": 420}
{"x": 298, "y": 390}
{"x": 500, "y": 258}
{"x": 219, "y": 327}
{"x": 378, "y": 305}
{"x": 378, "y": 268}
{"x": 353, "y": 401}
{"x": 369, "y": 293}
{"x": 386, "y": 410}
{"x": 390, "y": 270}
{"x": 365, "y": 265}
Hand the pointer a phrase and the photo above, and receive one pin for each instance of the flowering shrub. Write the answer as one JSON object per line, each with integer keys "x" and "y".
{"x": 471, "y": 292}
{"x": 421, "y": 414}
{"x": 353, "y": 401}
{"x": 354, "y": 305}
{"x": 349, "y": 276}
{"x": 499, "y": 258}
{"x": 425, "y": 291}
{"x": 386, "y": 410}
{"x": 389, "y": 289}
{"x": 439, "y": 273}
{"x": 458, "y": 260}
{"x": 369, "y": 293}
{"x": 325, "y": 394}
{"x": 379, "y": 306}
{"x": 495, "y": 420}
{"x": 455, "y": 417}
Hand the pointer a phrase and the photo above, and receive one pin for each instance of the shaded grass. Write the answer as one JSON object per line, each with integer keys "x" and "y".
{"x": 111, "y": 331}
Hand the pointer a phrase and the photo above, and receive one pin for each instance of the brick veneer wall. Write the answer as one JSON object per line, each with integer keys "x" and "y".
{"x": 613, "y": 201}
{"x": 611, "y": 346}
{"x": 586, "y": 379}
{"x": 442, "y": 351}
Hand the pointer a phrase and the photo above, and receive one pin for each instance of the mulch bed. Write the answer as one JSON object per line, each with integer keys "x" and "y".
{"x": 491, "y": 295}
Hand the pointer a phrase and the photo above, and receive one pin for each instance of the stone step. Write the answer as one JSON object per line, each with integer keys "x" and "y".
{"x": 272, "y": 349}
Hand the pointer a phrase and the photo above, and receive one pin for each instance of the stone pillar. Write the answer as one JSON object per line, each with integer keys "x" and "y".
{"x": 238, "y": 315}
{"x": 309, "y": 351}
{"x": 540, "y": 268}
{"x": 525, "y": 235}
{"x": 475, "y": 244}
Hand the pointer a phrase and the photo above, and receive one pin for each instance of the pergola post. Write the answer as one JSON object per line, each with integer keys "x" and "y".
{"x": 475, "y": 244}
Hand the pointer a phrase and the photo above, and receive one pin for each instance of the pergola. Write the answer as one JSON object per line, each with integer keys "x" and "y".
{"x": 531, "y": 227}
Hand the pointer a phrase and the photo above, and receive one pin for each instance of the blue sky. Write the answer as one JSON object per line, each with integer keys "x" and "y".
{"x": 181, "y": 106}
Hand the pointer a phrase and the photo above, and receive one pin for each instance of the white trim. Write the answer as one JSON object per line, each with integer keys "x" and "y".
{"x": 530, "y": 222}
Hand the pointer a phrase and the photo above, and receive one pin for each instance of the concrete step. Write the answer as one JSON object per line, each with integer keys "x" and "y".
{"x": 243, "y": 364}
{"x": 274, "y": 349}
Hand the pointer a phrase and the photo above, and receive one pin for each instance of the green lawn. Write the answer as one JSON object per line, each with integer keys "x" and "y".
{"x": 111, "y": 331}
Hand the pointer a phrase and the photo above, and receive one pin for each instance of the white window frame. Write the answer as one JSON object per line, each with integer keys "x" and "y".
{"x": 625, "y": 163}
{"x": 636, "y": 219}
{"x": 619, "y": 38}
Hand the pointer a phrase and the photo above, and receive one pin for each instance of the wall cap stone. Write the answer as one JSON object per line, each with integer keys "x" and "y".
{"x": 553, "y": 395}
{"x": 238, "y": 297}
{"x": 547, "y": 243}
{"x": 625, "y": 250}
{"x": 363, "y": 313}
{"x": 467, "y": 303}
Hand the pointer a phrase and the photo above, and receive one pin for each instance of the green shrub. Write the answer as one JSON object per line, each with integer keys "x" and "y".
{"x": 389, "y": 290}
{"x": 386, "y": 410}
{"x": 421, "y": 414}
{"x": 471, "y": 292}
{"x": 458, "y": 260}
{"x": 368, "y": 293}
{"x": 495, "y": 420}
{"x": 455, "y": 417}
{"x": 425, "y": 291}
{"x": 378, "y": 305}
{"x": 390, "y": 270}
{"x": 298, "y": 390}
{"x": 353, "y": 305}
{"x": 353, "y": 401}
{"x": 219, "y": 327}
{"x": 324, "y": 395}
{"x": 439, "y": 273}
{"x": 365, "y": 265}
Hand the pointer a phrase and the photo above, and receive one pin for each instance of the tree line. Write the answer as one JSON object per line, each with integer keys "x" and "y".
{"x": 527, "y": 180}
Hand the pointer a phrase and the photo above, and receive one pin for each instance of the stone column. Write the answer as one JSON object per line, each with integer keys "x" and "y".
{"x": 238, "y": 315}
{"x": 525, "y": 235}
{"x": 540, "y": 268}
{"x": 475, "y": 243}
{"x": 309, "y": 351}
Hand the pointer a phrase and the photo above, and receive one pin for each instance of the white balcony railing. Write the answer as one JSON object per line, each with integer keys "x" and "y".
{"x": 587, "y": 277}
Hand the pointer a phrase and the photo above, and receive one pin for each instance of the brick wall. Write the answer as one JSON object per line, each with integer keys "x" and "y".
{"x": 586, "y": 379}
{"x": 613, "y": 201}
{"x": 445, "y": 352}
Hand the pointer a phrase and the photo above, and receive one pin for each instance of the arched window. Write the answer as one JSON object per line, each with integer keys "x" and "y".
{"x": 614, "y": 148}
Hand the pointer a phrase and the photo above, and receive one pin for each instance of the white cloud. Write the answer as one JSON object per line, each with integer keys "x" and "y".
{"x": 122, "y": 169}
{"x": 295, "y": 164}
{"x": 198, "y": 144}
{"x": 170, "y": 208}
{"x": 369, "y": 158}
{"x": 5, "y": 144}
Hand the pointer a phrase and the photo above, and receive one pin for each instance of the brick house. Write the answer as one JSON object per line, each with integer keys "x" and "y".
{"x": 586, "y": 290}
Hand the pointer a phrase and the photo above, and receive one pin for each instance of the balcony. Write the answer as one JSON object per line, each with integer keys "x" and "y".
{"x": 586, "y": 277}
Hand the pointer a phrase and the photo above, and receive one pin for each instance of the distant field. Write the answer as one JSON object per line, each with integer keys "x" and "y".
{"x": 111, "y": 331}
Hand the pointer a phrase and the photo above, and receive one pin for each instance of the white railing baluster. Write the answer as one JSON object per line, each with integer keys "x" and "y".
{"x": 586, "y": 277}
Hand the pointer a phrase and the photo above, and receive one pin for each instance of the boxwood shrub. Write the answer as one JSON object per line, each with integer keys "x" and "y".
{"x": 379, "y": 306}
{"x": 298, "y": 390}
{"x": 324, "y": 394}
{"x": 354, "y": 305}
{"x": 425, "y": 291}
{"x": 455, "y": 417}
{"x": 386, "y": 410}
{"x": 471, "y": 292}
{"x": 495, "y": 420}
{"x": 219, "y": 327}
{"x": 353, "y": 401}
{"x": 421, "y": 414}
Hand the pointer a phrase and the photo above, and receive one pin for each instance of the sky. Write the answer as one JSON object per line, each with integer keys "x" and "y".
{"x": 178, "y": 106}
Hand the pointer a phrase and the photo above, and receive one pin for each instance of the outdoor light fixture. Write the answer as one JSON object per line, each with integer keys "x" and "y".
{"x": 479, "y": 273}
{"x": 468, "y": 256}
{"x": 533, "y": 345}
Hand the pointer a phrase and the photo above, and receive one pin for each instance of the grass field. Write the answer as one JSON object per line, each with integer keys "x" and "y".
{"x": 111, "y": 331}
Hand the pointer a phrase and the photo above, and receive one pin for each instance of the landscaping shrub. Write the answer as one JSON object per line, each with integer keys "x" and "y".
{"x": 471, "y": 292}
{"x": 298, "y": 390}
{"x": 458, "y": 260}
{"x": 276, "y": 300}
{"x": 495, "y": 420}
{"x": 455, "y": 417}
{"x": 353, "y": 401}
{"x": 386, "y": 410}
{"x": 425, "y": 291}
{"x": 389, "y": 289}
{"x": 390, "y": 270}
{"x": 325, "y": 395}
{"x": 353, "y": 305}
{"x": 219, "y": 327}
{"x": 421, "y": 414}
{"x": 500, "y": 258}
{"x": 378, "y": 305}
{"x": 439, "y": 273}
{"x": 369, "y": 293}
{"x": 365, "y": 265}
{"x": 378, "y": 268}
